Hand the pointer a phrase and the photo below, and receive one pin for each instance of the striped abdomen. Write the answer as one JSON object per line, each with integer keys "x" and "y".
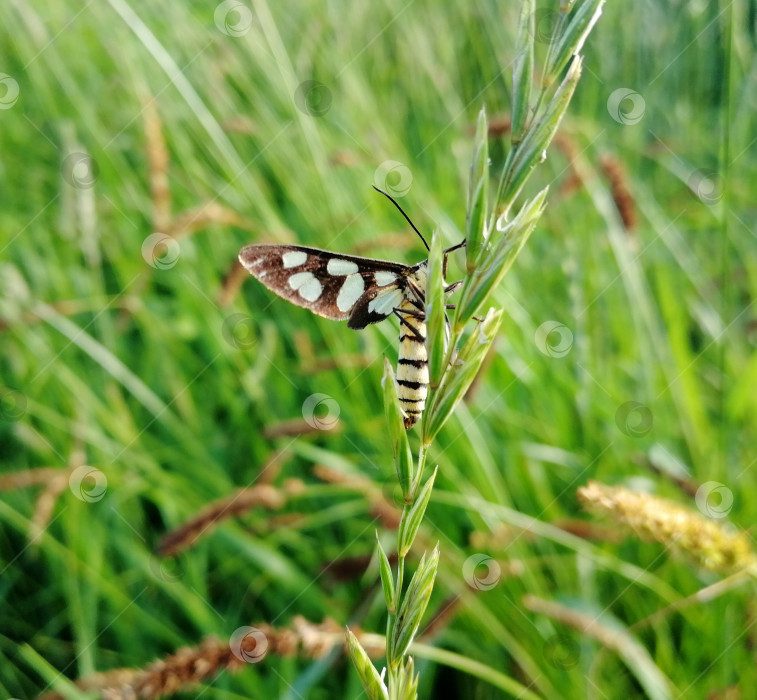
{"x": 412, "y": 365}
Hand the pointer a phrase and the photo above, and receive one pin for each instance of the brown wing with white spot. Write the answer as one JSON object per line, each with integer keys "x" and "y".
{"x": 337, "y": 287}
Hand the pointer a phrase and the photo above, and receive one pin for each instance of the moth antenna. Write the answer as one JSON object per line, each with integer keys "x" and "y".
{"x": 407, "y": 218}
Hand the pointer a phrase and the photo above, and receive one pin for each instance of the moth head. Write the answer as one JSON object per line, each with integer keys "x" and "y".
{"x": 420, "y": 274}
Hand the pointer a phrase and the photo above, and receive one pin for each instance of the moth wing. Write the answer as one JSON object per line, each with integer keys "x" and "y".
{"x": 329, "y": 284}
{"x": 375, "y": 305}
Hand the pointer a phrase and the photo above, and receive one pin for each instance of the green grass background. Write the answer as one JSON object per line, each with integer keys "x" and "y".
{"x": 173, "y": 413}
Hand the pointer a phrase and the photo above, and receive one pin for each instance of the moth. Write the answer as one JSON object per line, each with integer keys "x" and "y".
{"x": 361, "y": 291}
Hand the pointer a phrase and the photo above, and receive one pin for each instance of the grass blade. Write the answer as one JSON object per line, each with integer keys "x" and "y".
{"x": 477, "y": 213}
{"x": 523, "y": 72}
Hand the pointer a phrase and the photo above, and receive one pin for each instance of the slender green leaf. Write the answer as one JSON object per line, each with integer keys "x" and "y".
{"x": 414, "y": 604}
{"x": 460, "y": 375}
{"x": 497, "y": 259}
{"x": 523, "y": 72}
{"x": 404, "y": 684}
{"x": 571, "y": 41}
{"x": 435, "y": 312}
{"x": 477, "y": 213}
{"x": 538, "y": 137}
{"x": 366, "y": 671}
{"x": 412, "y": 517}
{"x": 387, "y": 579}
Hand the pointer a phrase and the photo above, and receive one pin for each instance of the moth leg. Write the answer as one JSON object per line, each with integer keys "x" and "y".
{"x": 420, "y": 299}
{"x": 452, "y": 307}
{"x": 448, "y": 251}
{"x": 455, "y": 247}
{"x": 410, "y": 312}
{"x": 452, "y": 287}
{"x": 406, "y": 323}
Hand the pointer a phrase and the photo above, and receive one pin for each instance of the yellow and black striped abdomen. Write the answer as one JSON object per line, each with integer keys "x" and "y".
{"x": 412, "y": 365}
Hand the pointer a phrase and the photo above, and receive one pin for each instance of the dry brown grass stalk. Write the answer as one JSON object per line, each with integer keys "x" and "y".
{"x": 619, "y": 188}
{"x": 296, "y": 427}
{"x": 242, "y": 500}
{"x": 55, "y": 481}
{"x": 231, "y": 284}
{"x": 45, "y": 505}
{"x": 707, "y": 543}
{"x": 310, "y": 364}
{"x": 31, "y": 477}
{"x": 583, "y": 622}
{"x": 202, "y": 216}
{"x": 157, "y": 158}
{"x": 183, "y": 670}
{"x": 379, "y": 505}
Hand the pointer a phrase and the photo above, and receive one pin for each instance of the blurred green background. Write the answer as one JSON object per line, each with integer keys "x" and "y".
{"x": 140, "y": 358}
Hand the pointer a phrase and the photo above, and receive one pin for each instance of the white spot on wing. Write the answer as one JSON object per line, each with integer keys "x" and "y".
{"x": 384, "y": 277}
{"x": 308, "y": 287}
{"x": 293, "y": 258}
{"x": 336, "y": 266}
{"x": 351, "y": 291}
{"x": 385, "y": 302}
